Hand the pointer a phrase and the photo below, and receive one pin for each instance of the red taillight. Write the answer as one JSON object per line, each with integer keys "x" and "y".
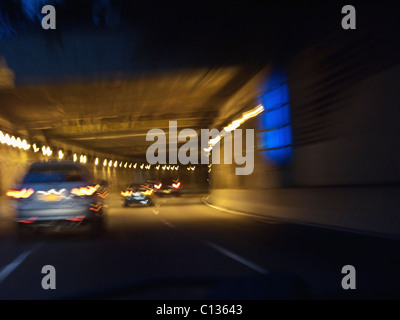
{"x": 176, "y": 185}
{"x": 158, "y": 186}
{"x": 103, "y": 195}
{"x": 84, "y": 191}
{"x": 96, "y": 209}
{"x": 78, "y": 218}
{"x": 20, "y": 194}
{"x": 30, "y": 220}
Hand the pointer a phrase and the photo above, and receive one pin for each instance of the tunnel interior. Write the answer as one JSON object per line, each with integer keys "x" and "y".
{"x": 111, "y": 71}
{"x": 239, "y": 150}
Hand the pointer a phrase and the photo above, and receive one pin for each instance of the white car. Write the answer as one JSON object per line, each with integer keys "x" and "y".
{"x": 59, "y": 194}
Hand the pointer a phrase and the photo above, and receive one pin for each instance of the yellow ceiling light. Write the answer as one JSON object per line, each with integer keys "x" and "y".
{"x": 234, "y": 125}
{"x": 25, "y": 145}
{"x": 245, "y": 116}
{"x": 46, "y": 151}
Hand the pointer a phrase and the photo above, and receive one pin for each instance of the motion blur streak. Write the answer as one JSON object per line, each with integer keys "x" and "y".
{"x": 234, "y": 125}
{"x": 15, "y": 142}
{"x": 245, "y": 116}
{"x": 30, "y": 220}
{"x": 52, "y": 191}
{"x": 126, "y": 193}
{"x": 321, "y": 104}
{"x": 84, "y": 191}
{"x": 176, "y": 185}
{"x": 20, "y": 194}
{"x": 78, "y": 218}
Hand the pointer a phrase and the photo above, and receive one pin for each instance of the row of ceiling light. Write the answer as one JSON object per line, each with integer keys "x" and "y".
{"x": 22, "y": 144}
{"x": 234, "y": 125}
{"x": 19, "y": 143}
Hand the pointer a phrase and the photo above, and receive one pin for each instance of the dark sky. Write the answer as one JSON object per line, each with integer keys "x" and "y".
{"x": 177, "y": 33}
{"x": 191, "y": 24}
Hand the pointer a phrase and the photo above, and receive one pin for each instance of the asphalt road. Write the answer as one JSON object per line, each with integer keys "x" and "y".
{"x": 184, "y": 249}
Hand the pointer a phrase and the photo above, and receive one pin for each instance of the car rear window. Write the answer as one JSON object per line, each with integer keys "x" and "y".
{"x": 56, "y": 173}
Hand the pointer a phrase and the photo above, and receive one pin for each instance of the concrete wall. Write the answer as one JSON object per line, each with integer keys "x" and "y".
{"x": 362, "y": 143}
{"x": 363, "y": 209}
{"x": 12, "y": 166}
{"x": 345, "y": 167}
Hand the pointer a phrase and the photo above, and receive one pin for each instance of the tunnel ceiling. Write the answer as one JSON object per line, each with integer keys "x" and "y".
{"x": 114, "y": 116}
{"x": 109, "y": 74}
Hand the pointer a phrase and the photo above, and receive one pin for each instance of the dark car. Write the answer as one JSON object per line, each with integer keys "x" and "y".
{"x": 167, "y": 187}
{"x": 59, "y": 194}
{"x": 137, "y": 194}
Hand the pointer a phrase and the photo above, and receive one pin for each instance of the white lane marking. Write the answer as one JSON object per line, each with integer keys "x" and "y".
{"x": 273, "y": 220}
{"x": 167, "y": 223}
{"x": 228, "y": 253}
{"x": 238, "y": 258}
{"x": 8, "y": 269}
{"x": 266, "y": 220}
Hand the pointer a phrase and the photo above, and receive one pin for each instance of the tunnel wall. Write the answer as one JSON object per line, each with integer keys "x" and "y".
{"x": 369, "y": 210}
{"x": 344, "y": 168}
{"x": 12, "y": 165}
{"x": 359, "y": 144}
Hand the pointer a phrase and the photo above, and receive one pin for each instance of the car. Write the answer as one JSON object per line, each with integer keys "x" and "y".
{"x": 59, "y": 194}
{"x": 166, "y": 187}
{"x": 137, "y": 194}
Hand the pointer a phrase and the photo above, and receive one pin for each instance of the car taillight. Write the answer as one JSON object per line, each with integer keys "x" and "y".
{"x": 158, "y": 186}
{"x": 147, "y": 192}
{"x": 126, "y": 193}
{"x": 20, "y": 194}
{"x": 84, "y": 191}
{"x": 176, "y": 185}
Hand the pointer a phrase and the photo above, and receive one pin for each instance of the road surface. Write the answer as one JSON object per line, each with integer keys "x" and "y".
{"x": 185, "y": 249}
